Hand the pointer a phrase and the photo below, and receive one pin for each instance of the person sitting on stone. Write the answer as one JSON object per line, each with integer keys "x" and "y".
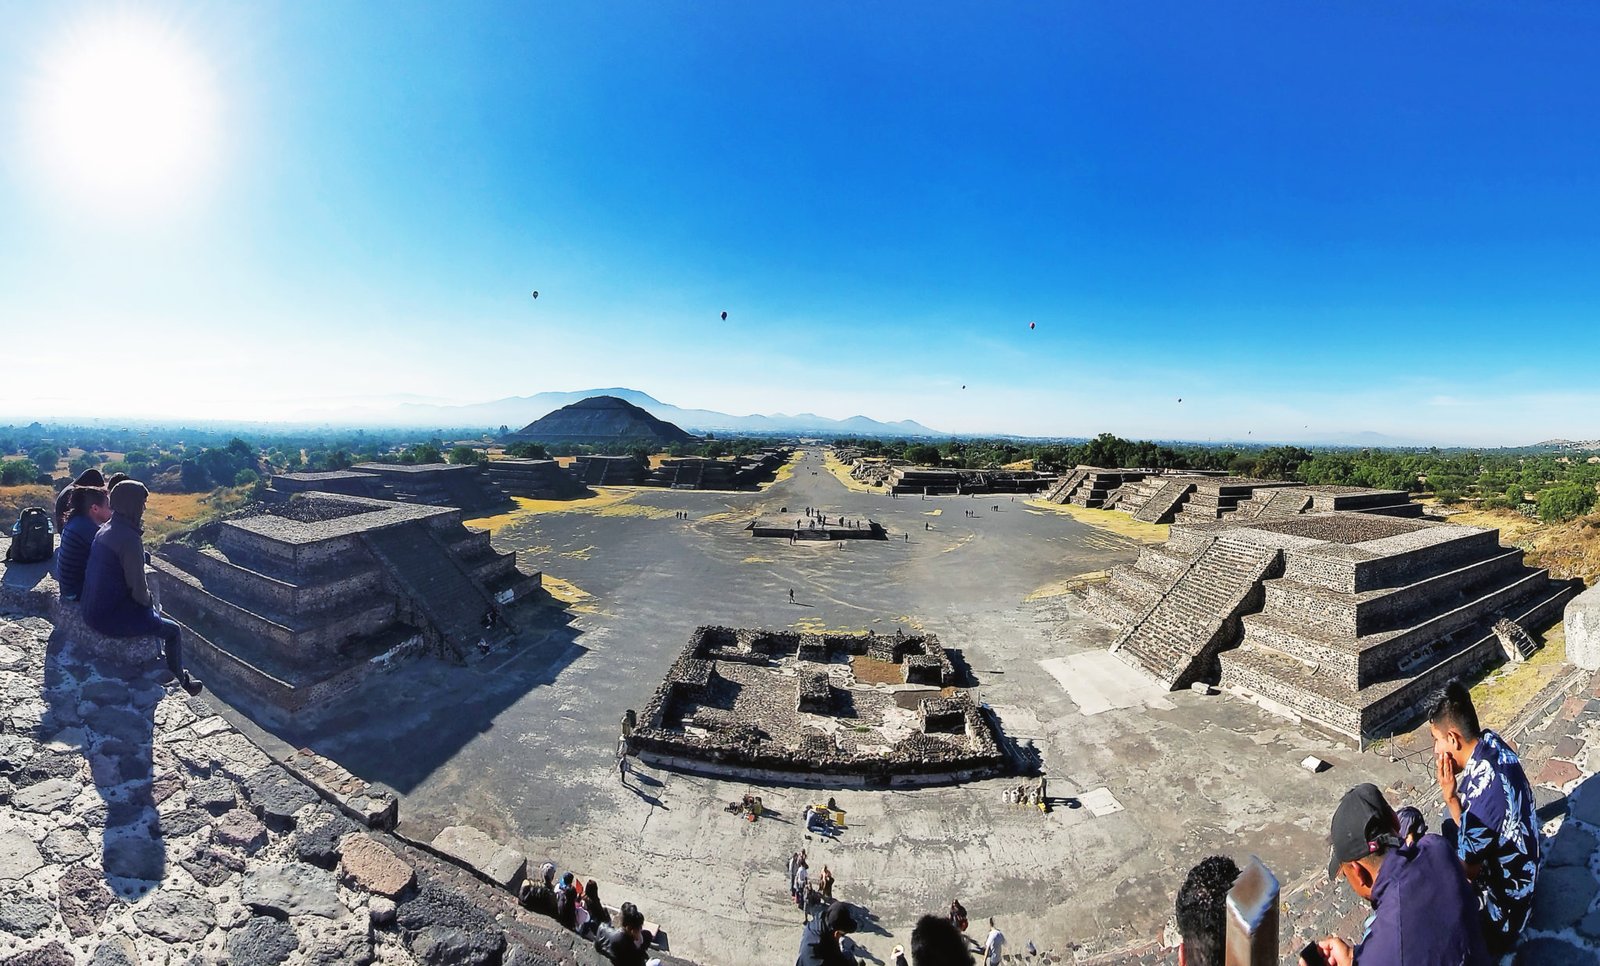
{"x": 89, "y": 477}
{"x": 1424, "y": 912}
{"x": 1202, "y": 911}
{"x": 1491, "y": 815}
{"x": 88, "y": 510}
{"x": 626, "y": 945}
{"x": 567, "y": 902}
{"x": 594, "y": 909}
{"x": 935, "y": 941}
{"x": 116, "y": 598}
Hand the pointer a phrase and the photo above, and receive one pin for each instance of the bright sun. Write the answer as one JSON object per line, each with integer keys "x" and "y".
{"x": 124, "y": 112}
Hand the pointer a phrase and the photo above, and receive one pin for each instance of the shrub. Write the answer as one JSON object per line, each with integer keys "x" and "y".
{"x": 1565, "y": 501}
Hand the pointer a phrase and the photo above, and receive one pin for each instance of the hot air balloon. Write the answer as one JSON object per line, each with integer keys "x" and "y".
{"x": 535, "y": 294}
{"x": 1180, "y": 399}
{"x": 1031, "y": 325}
{"x": 724, "y": 316}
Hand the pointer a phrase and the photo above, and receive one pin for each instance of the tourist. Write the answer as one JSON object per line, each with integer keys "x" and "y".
{"x": 993, "y": 945}
{"x": 627, "y": 945}
{"x": 1490, "y": 815}
{"x": 802, "y": 877}
{"x": 899, "y": 958}
{"x": 540, "y": 897}
{"x": 825, "y": 883}
{"x": 1202, "y": 911}
{"x": 938, "y": 942}
{"x": 1424, "y": 912}
{"x": 567, "y": 902}
{"x": 794, "y": 865}
{"x": 89, "y": 477}
{"x": 820, "y": 941}
{"x": 116, "y": 598}
{"x": 958, "y": 915}
{"x": 88, "y": 510}
{"x": 595, "y": 912}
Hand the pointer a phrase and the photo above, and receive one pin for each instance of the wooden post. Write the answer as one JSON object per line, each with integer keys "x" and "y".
{"x": 1252, "y": 936}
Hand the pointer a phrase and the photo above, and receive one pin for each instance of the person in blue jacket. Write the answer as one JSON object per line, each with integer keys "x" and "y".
{"x": 88, "y": 509}
{"x": 116, "y": 598}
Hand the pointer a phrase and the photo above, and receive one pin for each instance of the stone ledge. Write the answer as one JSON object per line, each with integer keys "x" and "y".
{"x": 498, "y": 864}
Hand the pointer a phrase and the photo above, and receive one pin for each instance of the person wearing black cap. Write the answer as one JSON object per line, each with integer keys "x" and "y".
{"x": 819, "y": 944}
{"x": 1424, "y": 912}
{"x": 116, "y": 598}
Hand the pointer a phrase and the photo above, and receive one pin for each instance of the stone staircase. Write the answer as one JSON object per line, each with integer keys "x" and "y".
{"x": 1273, "y": 504}
{"x": 437, "y": 584}
{"x": 1178, "y": 636}
{"x": 1163, "y": 504}
{"x": 1062, "y": 491}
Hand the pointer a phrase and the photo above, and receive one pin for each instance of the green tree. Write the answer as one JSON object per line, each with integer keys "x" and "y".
{"x": 467, "y": 456}
{"x": 245, "y": 477}
{"x": 924, "y": 455}
{"x": 1565, "y": 501}
{"x": 18, "y": 472}
{"x": 532, "y": 451}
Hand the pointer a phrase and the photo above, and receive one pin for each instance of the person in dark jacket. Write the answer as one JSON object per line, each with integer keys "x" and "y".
{"x": 1424, "y": 911}
{"x": 935, "y": 941}
{"x": 89, "y": 477}
{"x": 627, "y": 945}
{"x": 88, "y": 510}
{"x": 819, "y": 943}
{"x": 116, "y": 598}
{"x": 598, "y": 914}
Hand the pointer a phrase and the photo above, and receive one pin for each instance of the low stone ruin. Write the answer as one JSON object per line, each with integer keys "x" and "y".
{"x": 1346, "y": 620}
{"x": 731, "y": 473}
{"x": 610, "y": 470}
{"x": 788, "y": 707}
{"x": 818, "y": 528}
{"x": 534, "y": 479}
{"x": 288, "y": 605}
{"x": 464, "y": 486}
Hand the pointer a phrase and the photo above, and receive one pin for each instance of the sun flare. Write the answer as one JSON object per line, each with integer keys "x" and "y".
{"x": 124, "y": 112}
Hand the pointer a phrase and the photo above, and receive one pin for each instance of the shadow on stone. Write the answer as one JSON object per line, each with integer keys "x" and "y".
{"x": 1564, "y": 898}
{"x": 100, "y": 699}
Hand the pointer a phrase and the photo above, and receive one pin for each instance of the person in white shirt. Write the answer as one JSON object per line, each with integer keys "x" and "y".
{"x": 993, "y": 946}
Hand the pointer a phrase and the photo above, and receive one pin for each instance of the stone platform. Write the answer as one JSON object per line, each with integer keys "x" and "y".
{"x": 790, "y": 708}
{"x": 1345, "y": 620}
{"x": 804, "y": 528}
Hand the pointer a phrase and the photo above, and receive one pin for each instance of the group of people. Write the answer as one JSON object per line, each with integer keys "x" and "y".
{"x": 576, "y": 905}
{"x": 101, "y": 561}
{"x": 1458, "y": 897}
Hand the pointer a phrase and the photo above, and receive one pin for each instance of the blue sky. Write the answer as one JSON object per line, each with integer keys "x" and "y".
{"x": 1303, "y": 219}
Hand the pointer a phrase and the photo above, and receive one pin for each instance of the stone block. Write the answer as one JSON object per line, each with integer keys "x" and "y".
{"x": 111, "y": 656}
{"x": 292, "y": 890}
{"x": 1582, "y": 620}
{"x": 495, "y": 862}
{"x": 365, "y": 863}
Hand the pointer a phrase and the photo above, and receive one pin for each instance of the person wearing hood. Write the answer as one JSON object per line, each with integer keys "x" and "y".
{"x": 116, "y": 598}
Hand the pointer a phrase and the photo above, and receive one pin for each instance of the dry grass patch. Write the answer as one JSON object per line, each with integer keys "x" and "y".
{"x": 1570, "y": 549}
{"x": 1504, "y": 695}
{"x": 168, "y": 513}
{"x": 871, "y": 671}
{"x": 14, "y": 499}
{"x": 830, "y": 462}
{"x": 1110, "y": 521}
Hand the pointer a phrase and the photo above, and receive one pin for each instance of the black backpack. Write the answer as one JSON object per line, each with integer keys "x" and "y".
{"x": 34, "y": 541}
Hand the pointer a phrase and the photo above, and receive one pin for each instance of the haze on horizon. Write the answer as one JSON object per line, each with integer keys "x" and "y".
{"x": 1303, "y": 221}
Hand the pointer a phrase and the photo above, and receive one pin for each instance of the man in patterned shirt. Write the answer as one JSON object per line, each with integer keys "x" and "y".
{"x": 1491, "y": 815}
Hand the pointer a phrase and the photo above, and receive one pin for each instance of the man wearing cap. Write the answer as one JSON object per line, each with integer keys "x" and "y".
{"x": 819, "y": 944}
{"x": 1424, "y": 912}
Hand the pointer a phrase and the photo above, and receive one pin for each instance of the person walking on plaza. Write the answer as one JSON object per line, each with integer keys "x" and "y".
{"x": 994, "y": 945}
{"x": 1492, "y": 821}
{"x": 802, "y": 878}
{"x": 788, "y": 877}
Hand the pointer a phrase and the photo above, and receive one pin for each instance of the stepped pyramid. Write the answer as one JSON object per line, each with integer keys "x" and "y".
{"x": 1350, "y": 621}
{"x": 601, "y": 420}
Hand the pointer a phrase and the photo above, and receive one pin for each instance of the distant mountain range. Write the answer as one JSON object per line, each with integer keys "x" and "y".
{"x": 1569, "y": 444}
{"x": 515, "y": 411}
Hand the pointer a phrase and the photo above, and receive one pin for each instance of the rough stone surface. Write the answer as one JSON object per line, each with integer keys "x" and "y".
{"x": 292, "y": 890}
{"x": 241, "y": 830}
{"x": 215, "y": 795}
{"x": 25, "y": 915}
{"x": 277, "y": 795}
{"x": 445, "y": 946}
{"x": 18, "y": 855}
{"x": 53, "y": 954}
{"x": 83, "y": 899}
{"x": 116, "y": 951}
{"x": 136, "y": 856}
{"x": 381, "y": 910}
{"x": 500, "y": 865}
{"x": 263, "y": 941}
{"x": 316, "y": 838}
{"x": 47, "y": 796}
{"x": 1582, "y": 619}
{"x": 212, "y": 867}
{"x": 176, "y": 916}
{"x": 366, "y": 864}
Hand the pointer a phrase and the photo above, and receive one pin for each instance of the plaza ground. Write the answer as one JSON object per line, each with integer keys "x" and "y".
{"x": 521, "y": 744}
